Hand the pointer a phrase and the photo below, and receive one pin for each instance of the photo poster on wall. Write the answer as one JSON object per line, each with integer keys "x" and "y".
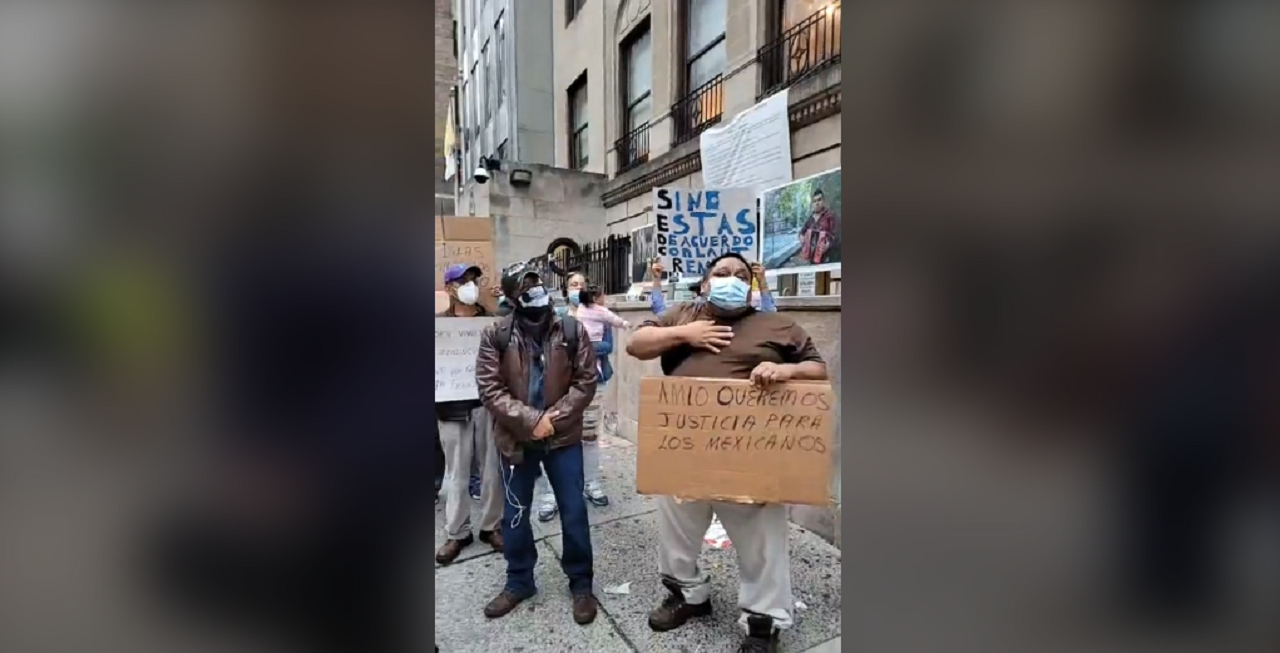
{"x": 800, "y": 225}
{"x": 644, "y": 248}
{"x": 694, "y": 226}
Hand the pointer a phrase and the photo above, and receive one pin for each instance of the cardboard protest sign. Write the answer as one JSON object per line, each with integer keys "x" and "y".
{"x": 457, "y": 343}
{"x": 468, "y": 241}
{"x": 696, "y": 226}
{"x": 726, "y": 440}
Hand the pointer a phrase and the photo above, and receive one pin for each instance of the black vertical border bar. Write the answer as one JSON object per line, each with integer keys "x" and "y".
{"x": 440, "y": 25}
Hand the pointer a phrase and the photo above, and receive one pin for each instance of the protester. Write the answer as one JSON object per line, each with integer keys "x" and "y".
{"x": 504, "y": 307}
{"x": 724, "y": 337}
{"x": 464, "y": 427}
{"x": 657, "y": 302}
{"x": 536, "y": 372}
{"x": 583, "y": 303}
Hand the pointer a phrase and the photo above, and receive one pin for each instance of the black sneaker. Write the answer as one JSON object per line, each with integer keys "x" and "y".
{"x": 674, "y": 611}
{"x": 761, "y": 636}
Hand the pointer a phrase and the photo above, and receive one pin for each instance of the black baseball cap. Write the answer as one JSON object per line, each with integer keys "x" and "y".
{"x": 511, "y": 282}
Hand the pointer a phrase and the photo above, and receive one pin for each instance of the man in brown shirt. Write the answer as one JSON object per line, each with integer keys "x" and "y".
{"x": 724, "y": 337}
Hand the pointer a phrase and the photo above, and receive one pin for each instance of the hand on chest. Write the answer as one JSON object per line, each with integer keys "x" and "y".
{"x": 746, "y": 349}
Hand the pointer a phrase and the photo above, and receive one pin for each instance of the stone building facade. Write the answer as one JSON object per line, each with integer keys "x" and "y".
{"x": 648, "y": 93}
{"x": 446, "y": 77}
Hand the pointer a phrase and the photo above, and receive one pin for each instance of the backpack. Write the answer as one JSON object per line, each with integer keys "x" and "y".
{"x": 568, "y": 324}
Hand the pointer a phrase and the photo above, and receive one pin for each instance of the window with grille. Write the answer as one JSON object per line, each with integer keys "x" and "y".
{"x": 704, "y": 45}
{"x": 578, "y": 123}
{"x": 500, "y": 60}
{"x": 637, "y": 75}
{"x": 486, "y": 71}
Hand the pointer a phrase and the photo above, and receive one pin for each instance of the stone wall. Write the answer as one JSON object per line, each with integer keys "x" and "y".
{"x": 558, "y": 203}
{"x": 820, "y": 317}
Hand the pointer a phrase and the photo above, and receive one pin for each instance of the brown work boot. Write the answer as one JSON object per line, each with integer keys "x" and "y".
{"x": 449, "y": 552}
{"x": 584, "y": 609}
{"x": 502, "y": 604}
{"x": 761, "y": 636}
{"x": 493, "y": 538}
{"x": 674, "y": 611}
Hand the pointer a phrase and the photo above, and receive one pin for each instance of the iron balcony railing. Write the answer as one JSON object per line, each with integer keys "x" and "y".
{"x": 810, "y": 46}
{"x": 700, "y": 109}
{"x": 632, "y": 149}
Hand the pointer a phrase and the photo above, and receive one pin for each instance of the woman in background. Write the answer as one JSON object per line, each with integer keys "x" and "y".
{"x": 583, "y": 304}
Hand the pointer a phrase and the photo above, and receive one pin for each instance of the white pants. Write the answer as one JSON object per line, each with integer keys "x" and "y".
{"x": 759, "y": 535}
{"x": 463, "y": 441}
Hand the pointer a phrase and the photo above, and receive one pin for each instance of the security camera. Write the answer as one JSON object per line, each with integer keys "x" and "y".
{"x": 485, "y": 166}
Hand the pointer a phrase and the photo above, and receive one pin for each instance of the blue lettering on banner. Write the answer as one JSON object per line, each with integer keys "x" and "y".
{"x": 695, "y": 227}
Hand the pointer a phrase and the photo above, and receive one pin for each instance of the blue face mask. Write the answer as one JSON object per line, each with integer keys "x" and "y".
{"x": 575, "y": 297}
{"x": 728, "y": 292}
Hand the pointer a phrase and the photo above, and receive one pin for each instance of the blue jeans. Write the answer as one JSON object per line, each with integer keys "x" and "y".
{"x": 564, "y": 471}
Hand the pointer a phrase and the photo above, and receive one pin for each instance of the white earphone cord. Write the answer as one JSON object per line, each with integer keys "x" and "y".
{"x": 511, "y": 497}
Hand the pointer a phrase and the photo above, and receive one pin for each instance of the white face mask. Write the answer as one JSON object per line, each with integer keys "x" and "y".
{"x": 468, "y": 293}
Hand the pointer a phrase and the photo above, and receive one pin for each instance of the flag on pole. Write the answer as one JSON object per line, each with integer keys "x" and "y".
{"x": 450, "y": 145}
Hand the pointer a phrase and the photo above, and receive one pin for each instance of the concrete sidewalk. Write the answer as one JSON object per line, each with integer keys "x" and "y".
{"x": 624, "y": 536}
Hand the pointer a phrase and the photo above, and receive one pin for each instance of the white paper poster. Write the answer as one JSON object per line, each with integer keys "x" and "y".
{"x": 752, "y": 151}
{"x": 457, "y": 343}
{"x": 696, "y": 226}
{"x": 806, "y": 284}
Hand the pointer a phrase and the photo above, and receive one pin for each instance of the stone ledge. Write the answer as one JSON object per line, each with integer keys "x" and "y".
{"x": 822, "y": 303}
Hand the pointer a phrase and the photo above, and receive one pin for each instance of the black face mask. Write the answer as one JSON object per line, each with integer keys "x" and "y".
{"x": 535, "y": 313}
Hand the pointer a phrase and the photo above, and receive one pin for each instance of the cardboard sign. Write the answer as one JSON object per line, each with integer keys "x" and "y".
{"x": 457, "y": 343}
{"x": 468, "y": 241}
{"x": 695, "y": 227}
{"x": 726, "y": 440}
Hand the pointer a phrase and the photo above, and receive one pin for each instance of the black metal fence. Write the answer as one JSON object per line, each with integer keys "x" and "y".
{"x": 811, "y": 45}
{"x": 606, "y": 263}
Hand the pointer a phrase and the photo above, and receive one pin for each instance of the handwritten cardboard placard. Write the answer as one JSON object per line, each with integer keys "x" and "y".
{"x": 726, "y": 440}
{"x": 696, "y": 226}
{"x": 457, "y": 343}
{"x": 468, "y": 241}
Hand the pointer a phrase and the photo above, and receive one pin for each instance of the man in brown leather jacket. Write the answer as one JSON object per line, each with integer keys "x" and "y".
{"x": 536, "y": 373}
